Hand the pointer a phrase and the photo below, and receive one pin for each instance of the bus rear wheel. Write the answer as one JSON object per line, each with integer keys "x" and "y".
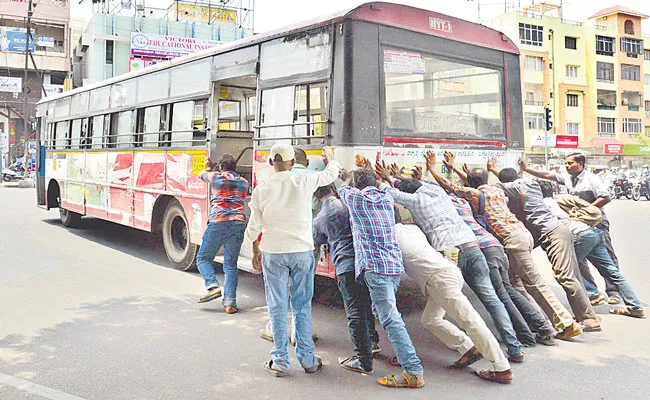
{"x": 176, "y": 238}
{"x": 69, "y": 219}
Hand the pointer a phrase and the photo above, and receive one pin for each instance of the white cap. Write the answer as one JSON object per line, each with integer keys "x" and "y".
{"x": 285, "y": 151}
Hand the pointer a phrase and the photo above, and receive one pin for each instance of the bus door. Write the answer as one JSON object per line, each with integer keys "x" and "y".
{"x": 41, "y": 135}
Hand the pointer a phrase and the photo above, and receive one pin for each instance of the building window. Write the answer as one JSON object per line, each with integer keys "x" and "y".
{"x": 631, "y": 46}
{"x": 605, "y": 45}
{"x": 629, "y": 27}
{"x": 632, "y": 126}
{"x": 534, "y": 121}
{"x": 570, "y": 42}
{"x": 109, "y": 51}
{"x": 647, "y": 106}
{"x": 572, "y": 71}
{"x": 630, "y": 72}
{"x": 607, "y": 127}
{"x": 606, "y": 99}
{"x": 646, "y": 79}
{"x": 572, "y": 128}
{"x": 604, "y": 72}
{"x": 646, "y": 55}
{"x": 572, "y": 100}
{"x": 531, "y": 34}
{"x": 534, "y": 63}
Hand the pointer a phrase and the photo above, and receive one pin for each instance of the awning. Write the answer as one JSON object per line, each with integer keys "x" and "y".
{"x": 600, "y": 142}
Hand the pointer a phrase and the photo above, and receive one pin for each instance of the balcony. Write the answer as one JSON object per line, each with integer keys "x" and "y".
{"x": 600, "y": 80}
{"x": 633, "y": 108}
{"x": 608, "y": 135}
{"x": 530, "y": 14}
{"x": 601, "y": 28}
{"x": 606, "y": 107}
{"x": 534, "y": 103}
{"x": 570, "y": 22}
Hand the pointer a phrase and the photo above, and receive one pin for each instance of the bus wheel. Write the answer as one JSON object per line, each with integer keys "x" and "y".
{"x": 176, "y": 238}
{"x": 69, "y": 219}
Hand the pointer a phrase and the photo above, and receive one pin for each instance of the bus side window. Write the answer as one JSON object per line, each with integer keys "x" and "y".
{"x": 75, "y": 134}
{"x": 152, "y": 126}
{"x": 88, "y": 128}
{"x": 165, "y": 135}
{"x": 182, "y": 120}
{"x": 199, "y": 123}
{"x": 125, "y": 129}
{"x": 51, "y": 136}
{"x": 61, "y": 130}
{"x": 110, "y": 130}
{"x": 139, "y": 127}
{"x": 97, "y": 131}
{"x": 68, "y": 135}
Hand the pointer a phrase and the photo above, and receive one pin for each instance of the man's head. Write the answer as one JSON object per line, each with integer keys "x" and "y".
{"x": 227, "y": 163}
{"x": 547, "y": 188}
{"x": 282, "y": 157}
{"x": 477, "y": 177}
{"x": 301, "y": 157}
{"x": 362, "y": 178}
{"x": 508, "y": 175}
{"x": 324, "y": 192}
{"x": 575, "y": 163}
{"x": 410, "y": 185}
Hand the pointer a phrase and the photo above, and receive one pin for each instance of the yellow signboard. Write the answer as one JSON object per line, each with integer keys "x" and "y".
{"x": 202, "y": 13}
{"x": 198, "y": 163}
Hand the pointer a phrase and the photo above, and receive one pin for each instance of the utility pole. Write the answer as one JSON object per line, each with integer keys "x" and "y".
{"x": 28, "y": 34}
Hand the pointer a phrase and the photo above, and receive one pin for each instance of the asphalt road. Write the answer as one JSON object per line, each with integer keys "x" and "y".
{"x": 96, "y": 313}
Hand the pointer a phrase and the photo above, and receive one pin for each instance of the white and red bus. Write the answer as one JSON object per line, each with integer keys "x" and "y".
{"x": 382, "y": 81}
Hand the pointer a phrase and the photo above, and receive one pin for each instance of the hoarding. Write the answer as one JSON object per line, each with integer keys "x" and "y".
{"x": 537, "y": 140}
{"x": 566, "y": 142}
{"x": 142, "y": 62}
{"x": 11, "y": 84}
{"x": 13, "y": 39}
{"x": 51, "y": 90}
{"x": 613, "y": 148}
{"x": 163, "y": 46}
{"x": 205, "y": 13}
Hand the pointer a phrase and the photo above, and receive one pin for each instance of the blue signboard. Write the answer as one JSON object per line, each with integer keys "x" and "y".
{"x": 13, "y": 39}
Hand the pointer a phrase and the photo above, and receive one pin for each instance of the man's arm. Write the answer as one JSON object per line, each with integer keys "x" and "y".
{"x": 430, "y": 159}
{"x": 254, "y": 227}
{"x": 492, "y": 167}
{"x": 320, "y": 238}
{"x": 540, "y": 174}
{"x": 600, "y": 191}
{"x": 328, "y": 175}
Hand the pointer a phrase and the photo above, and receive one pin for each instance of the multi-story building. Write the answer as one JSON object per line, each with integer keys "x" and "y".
{"x": 591, "y": 75}
{"x": 114, "y": 44}
{"x": 50, "y": 51}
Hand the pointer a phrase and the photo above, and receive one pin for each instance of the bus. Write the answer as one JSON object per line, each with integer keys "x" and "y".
{"x": 380, "y": 81}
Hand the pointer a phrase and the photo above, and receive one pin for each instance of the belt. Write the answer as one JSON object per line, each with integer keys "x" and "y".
{"x": 467, "y": 245}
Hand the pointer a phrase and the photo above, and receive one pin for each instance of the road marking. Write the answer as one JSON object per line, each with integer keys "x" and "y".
{"x": 36, "y": 389}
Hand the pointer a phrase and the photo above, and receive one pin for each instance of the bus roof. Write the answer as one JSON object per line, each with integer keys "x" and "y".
{"x": 389, "y": 14}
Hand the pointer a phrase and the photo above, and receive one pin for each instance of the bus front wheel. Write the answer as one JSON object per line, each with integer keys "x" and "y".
{"x": 176, "y": 238}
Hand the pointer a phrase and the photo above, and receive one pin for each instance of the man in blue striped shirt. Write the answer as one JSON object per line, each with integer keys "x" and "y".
{"x": 378, "y": 261}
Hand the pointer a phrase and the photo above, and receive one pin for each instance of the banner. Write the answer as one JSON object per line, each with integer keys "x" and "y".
{"x": 637, "y": 149}
{"x": 139, "y": 63}
{"x": 44, "y": 41}
{"x": 566, "y": 142}
{"x": 10, "y": 84}
{"x": 51, "y": 90}
{"x": 13, "y": 39}
{"x": 537, "y": 140}
{"x": 612, "y": 148}
{"x": 202, "y": 13}
{"x": 153, "y": 45}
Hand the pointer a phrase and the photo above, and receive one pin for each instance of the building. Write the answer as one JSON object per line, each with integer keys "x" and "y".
{"x": 593, "y": 75}
{"x": 50, "y": 51}
{"x": 114, "y": 44}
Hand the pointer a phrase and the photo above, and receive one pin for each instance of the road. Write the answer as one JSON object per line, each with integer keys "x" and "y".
{"x": 96, "y": 313}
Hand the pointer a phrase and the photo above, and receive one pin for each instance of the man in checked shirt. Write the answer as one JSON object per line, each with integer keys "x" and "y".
{"x": 378, "y": 262}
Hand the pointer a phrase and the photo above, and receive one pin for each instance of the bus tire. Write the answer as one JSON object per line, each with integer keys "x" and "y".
{"x": 176, "y": 238}
{"x": 69, "y": 219}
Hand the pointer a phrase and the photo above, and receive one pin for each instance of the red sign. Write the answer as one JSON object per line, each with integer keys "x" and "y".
{"x": 613, "y": 148}
{"x": 566, "y": 142}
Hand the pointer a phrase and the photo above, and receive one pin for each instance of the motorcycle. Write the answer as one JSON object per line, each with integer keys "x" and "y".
{"x": 640, "y": 189}
{"x": 621, "y": 187}
{"x": 13, "y": 173}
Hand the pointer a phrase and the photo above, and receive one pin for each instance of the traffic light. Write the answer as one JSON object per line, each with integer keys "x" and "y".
{"x": 547, "y": 118}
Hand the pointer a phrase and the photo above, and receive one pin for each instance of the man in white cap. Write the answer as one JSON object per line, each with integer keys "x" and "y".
{"x": 281, "y": 211}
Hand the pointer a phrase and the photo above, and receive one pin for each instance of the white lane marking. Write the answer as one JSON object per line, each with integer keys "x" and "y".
{"x": 36, "y": 389}
{"x": 71, "y": 254}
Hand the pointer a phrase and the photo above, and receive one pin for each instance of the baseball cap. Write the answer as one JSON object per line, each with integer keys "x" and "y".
{"x": 285, "y": 151}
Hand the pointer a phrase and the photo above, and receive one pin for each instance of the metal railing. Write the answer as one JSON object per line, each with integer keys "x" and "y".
{"x": 606, "y": 135}
{"x": 633, "y": 108}
{"x": 165, "y": 140}
{"x": 605, "y": 107}
{"x": 530, "y": 14}
{"x": 601, "y": 80}
{"x": 571, "y": 22}
{"x": 533, "y": 103}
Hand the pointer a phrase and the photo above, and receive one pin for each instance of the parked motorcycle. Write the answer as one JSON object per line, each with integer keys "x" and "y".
{"x": 14, "y": 172}
{"x": 640, "y": 189}
{"x": 621, "y": 187}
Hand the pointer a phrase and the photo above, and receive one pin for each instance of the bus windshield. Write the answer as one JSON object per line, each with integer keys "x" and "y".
{"x": 428, "y": 96}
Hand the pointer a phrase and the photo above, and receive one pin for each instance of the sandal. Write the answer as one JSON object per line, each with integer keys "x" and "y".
{"x": 503, "y": 377}
{"x": 628, "y": 313}
{"x": 405, "y": 380}
{"x": 272, "y": 369}
{"x": 614, "y": 300}
{"x": 470, "y": 357}
{"x": 212, "y": 294}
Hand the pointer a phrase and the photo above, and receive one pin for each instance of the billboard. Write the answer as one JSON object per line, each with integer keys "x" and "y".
{"x": 13, "y": 39}
{"x": 10, "y": 84}
{"x": 205, "y": 13}
{"x": 51, "y": 90}
{"x": 538, "y": 140}
{"x": 164, "y": 46}
{"x": 142, "y": 62}
{"x": 566, "y": 141}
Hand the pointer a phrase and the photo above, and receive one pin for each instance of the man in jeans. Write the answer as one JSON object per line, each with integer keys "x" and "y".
{"x": 332, "y": 226}
{"x": 526, "y": 201}
{"x": 516, "y": 240}
{"x": 378, "y": 262}
{"x": 434, "y": 213}
{"x": 522, "y": 312}
{"x": 226, "y": 228}
{"x": 590, "y": 245}
{"x": 281, "y": 211}
{"x": 582, "y": 183}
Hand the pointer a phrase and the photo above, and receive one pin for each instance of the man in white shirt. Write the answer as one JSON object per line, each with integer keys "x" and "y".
{"x": 281, "y": 211}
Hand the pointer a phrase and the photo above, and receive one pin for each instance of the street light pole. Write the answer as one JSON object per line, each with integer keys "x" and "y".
{"x": 28, "y": 32}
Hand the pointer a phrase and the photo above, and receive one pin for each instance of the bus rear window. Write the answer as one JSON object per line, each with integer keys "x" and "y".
{"x": 427, "y": 96}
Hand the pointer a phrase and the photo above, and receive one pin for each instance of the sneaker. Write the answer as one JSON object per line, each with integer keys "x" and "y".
{"x": 213, "y": 293}
{"x": 354, "y": 364}
{"x": 375, "y": 348}
{"x": 599, "y": 299}
{"x": 569, "y": 332}
{"x": 316, "y": 367}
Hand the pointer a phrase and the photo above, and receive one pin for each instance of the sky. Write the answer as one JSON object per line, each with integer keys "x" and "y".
{"x": 272, "y": 14}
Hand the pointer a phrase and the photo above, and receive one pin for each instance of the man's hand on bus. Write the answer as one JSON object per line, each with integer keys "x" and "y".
{"x": 257, "y": 258}
{"x": 209, "y": 166}
{"x": 394, "y": 169}
{"x": 450, "y": 159}
{"x": 417, "y": 172}
{"x": 522, "y": 164}
{"x": 430, "y": 159}
{"x": 328, "y": 152}
{"x": 382, "y": 171}
{"x": 345, "y": 176}
{"x": 465, "y": 168}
